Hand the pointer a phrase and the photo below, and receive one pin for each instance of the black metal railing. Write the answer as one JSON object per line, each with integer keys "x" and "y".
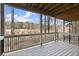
{"x": 12, "y": 43}
{"x": 1, "y": 46}
{"x": 15, "y": 42}
{"x": 71, "y": 38}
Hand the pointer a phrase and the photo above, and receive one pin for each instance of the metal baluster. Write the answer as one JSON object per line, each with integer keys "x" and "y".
{"x": 8, "y": 44}
{"x": 12, "y": 43}
{"x": 69, "y": 33}
{"x": 78, "y": 40}
{"x": 5, "y": 44}
{"x": 20, "y": 42}
{"x": 17, "y": 42}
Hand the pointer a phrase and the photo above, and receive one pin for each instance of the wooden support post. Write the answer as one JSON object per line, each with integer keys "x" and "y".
{"x": 75, "y": 27}
{"x": 63, "y": 30}
{"x": 12, "y": 21}
{"x": 45, "y": 18}
{"x": 0, "y": 18}
{"x": 45, "y": 25}
{"x": 48, "y": 24}
{"x": 78, "y": 40}
{"x": 55, "y": 27}
{"x": 2, "y": 28}
{"x": 76, "y": 32}
{"x": 72, "y": 27}
{"x": 69, "y": 32}
{"x": 41, "y": 28}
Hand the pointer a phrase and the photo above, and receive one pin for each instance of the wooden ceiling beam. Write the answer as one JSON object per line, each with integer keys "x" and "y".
{"x": 32, "y": 5}
{"x": 69, "y": 17}
{"x": 60, "y": 8}
{"x": 14, "y": 5}
{"x": 42, "y": 12}
{"x": 52, "y": 7}
{"x": 65, "y": 9}
{"x": 40, "y": 5}
{"x": 46, "y": 7}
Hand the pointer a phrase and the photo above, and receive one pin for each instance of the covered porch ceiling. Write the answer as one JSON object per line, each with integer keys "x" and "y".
{"x": 65, "y": 11}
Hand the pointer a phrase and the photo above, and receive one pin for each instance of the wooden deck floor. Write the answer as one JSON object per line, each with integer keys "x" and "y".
{"x": 48, "y": 49}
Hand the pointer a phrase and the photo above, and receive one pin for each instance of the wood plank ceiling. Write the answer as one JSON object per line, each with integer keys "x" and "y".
{"x": 65, "y": 11}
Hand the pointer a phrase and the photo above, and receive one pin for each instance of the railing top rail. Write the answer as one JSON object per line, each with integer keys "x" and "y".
{"x": 27, "y": 35}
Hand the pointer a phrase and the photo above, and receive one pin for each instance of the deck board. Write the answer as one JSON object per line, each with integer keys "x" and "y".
{"x": 48, "y": 49}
